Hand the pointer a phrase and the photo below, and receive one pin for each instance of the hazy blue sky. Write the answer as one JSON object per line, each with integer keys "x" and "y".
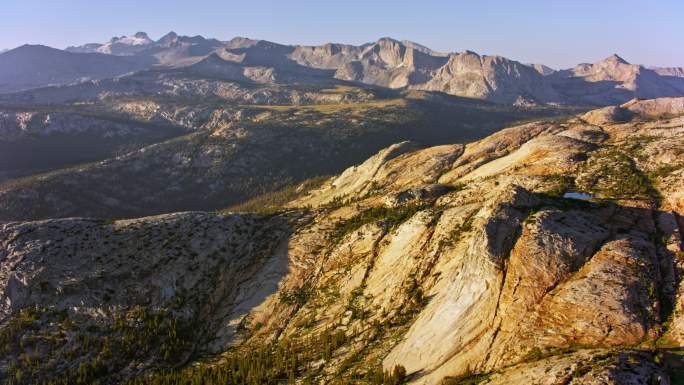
{"x": 559, "y": 33}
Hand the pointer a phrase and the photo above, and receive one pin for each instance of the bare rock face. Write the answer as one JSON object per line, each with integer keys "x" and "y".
{"x": 388, "y": 170}
{"x": 357, "y": 180}
{"x": 428, "y": 192}
{"x": 391, "y": 63}
{"x": 328, "y": 56}
{"x": 489, "y": 77}
{"x": 526, "y": 295}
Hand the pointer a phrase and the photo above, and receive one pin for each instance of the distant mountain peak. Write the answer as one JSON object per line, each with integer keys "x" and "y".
{"x": 35, "y": 47}
{"x": 615, "y": 58}
{"x": 168, "y": 39}
{"x": 139, "y": 38}
{"x": 387, "y": 39}
{"x": 469, "y": 52}
{"x": 423, "y": 49}
{"x": 543, "y": 70}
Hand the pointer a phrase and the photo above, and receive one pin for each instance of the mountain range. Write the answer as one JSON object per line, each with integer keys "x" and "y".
{"x": 387, "y": 63}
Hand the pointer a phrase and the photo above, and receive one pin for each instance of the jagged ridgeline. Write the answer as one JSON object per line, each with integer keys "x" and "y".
{"x": 547, "y": 252}
{"x": 386, "y": 63}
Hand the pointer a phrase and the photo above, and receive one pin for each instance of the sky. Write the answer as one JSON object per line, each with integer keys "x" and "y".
{"x": 558, "y": 33}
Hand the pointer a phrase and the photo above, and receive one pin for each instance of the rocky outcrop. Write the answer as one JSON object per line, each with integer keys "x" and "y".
{"x": 387, "y": 170}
